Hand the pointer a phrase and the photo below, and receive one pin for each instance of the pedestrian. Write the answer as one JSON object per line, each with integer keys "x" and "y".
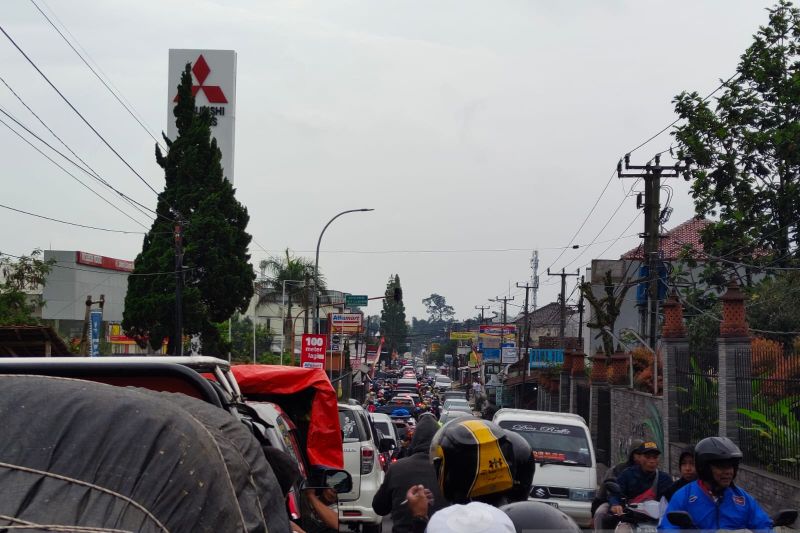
{"x": 406, "y": 473}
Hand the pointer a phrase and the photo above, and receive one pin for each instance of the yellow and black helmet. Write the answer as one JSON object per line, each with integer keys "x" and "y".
{"x": 472, "y": 458}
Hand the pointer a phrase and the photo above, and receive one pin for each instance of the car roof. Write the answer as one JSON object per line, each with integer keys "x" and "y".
{"x": 544, "y": 416}
{"x": 383, "y": 417}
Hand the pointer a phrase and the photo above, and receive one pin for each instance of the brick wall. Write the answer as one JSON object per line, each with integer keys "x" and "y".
{"x": 633, "y": 414}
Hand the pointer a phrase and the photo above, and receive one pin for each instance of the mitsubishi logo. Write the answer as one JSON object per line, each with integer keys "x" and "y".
{"x": 213, "y": 93}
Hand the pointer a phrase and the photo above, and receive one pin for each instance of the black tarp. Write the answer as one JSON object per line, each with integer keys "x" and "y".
{"x": 86, "y": 454}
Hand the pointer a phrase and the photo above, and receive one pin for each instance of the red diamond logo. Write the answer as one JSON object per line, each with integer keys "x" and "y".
{"x": 213, "y": 93}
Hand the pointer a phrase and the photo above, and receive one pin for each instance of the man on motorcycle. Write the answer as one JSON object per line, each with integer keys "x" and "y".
{"x": 713, "y": 501}
{"x": 638, "y": 483}
{"x": 600, "y": 502}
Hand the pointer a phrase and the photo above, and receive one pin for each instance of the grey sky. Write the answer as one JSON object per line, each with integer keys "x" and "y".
{"x": 465, "y": 124}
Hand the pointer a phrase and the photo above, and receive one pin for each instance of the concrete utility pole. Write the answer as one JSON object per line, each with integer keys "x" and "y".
{"x": 482, "y": 308}
{"x": 527, "y": 328}
{"x": 535, "y": 278}
{"x": 84, "y": 345}
{"x": 563, "y": 323}
{"x": 652, "y": 229}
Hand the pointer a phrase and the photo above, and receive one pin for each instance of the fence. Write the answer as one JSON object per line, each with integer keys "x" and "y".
{"x": 768, "y": 399}
{"x": 697, "y": 387}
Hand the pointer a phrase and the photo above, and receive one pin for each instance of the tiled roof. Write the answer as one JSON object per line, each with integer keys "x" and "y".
{"x": 673, "y": 242}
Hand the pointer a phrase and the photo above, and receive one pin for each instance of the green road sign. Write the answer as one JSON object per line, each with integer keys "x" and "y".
{"x": 355, "y": 300}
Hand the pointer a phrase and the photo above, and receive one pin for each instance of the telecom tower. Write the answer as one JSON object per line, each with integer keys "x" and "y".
{"x": 535, "y": 276}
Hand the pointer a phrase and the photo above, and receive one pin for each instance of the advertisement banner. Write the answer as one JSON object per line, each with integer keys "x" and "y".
{"x": 509, "y": 355}
{"x": 312, "y": 351}
{"x": 95, "y": 328}
{"x": 345, "y": 322}
{"x": 498, "y": 330}
{"x": 463, "y": 335}
{"x": 214, "y": 89}
{"x": 491, "y": 355}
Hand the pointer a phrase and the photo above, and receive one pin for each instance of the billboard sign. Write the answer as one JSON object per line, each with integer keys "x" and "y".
{"x": 463, "y": 335}
{"x": 345, "y": 322}
{"x": 355, "y": 300}
{"x": 498, "y": 330}
{"x": 509, "y": 354}
{"x": 214, "y": 88}
{"x": 95, "y": 329}
{"x": 543, "y": 358}
{"x": 312, "y": 351}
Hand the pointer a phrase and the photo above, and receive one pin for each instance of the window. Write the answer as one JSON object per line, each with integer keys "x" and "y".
{"x": 556, "y": 443}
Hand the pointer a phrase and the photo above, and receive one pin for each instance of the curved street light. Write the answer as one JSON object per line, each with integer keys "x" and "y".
{"x": 316, "y": 265}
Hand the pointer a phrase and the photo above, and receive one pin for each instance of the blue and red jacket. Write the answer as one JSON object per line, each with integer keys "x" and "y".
{"x": 735, "y": 509}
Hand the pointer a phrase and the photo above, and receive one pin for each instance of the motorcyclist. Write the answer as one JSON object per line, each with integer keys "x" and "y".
{"x": 713, "y": 501}
{"x": 600, "y": 502}
{"x": 688, "y": 472}
{"x": 638, "y": 483}
{"x": 477, "y": 461}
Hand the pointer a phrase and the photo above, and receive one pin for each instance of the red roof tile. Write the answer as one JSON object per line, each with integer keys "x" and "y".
{"x": 673, "y": 242}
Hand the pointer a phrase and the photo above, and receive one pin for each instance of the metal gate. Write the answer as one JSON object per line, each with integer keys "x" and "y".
{"x": 583, "y": 400}
{"x": 603, "y": 417}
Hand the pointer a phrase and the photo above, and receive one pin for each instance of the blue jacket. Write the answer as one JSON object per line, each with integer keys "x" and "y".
{"x": 634, "y": 481}
{"x": 735, "y": 510}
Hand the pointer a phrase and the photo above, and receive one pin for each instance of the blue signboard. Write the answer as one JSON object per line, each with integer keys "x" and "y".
{"x": 491, "y": 354}
{"x": 96, "y": 323}
{"x": 542, "y": 358}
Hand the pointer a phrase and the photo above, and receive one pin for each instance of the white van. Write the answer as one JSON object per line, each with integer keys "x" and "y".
{"x": 566, "y": 468}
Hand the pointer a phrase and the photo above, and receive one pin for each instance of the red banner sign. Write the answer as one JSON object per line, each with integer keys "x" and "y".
{"x": 312, "y": 351}
{"x": 99, "y": 261}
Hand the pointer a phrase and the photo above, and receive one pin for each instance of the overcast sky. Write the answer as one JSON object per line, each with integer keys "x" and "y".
{"x": 467, "y": 125}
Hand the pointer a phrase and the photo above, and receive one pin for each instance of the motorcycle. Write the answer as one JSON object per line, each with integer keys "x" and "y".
{"x": 639, "y": 517}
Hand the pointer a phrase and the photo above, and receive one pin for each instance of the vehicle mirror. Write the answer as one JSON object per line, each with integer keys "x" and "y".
{"x": 785, "y": 517}
{"x": 682, "y": 519}
{"x": 321, "y": 507}
{"x": 386, "y": 445}
{"x": 612, "y": 487}
{"x": 339, "y": 480}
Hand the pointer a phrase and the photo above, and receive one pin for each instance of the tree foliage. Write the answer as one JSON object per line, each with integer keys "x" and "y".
{"x": 17, "y": 277}
{"x": 394, "y": 328}
{"x": 772, "y": 306}
{"x": 606, "y": 309}
{"x": 743, "y": 149}
{"x": 218, "y": 276}
{"x": 437, "y": 308}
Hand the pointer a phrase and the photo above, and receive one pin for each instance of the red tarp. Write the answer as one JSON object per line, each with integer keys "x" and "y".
{"x": 324, "y": 439}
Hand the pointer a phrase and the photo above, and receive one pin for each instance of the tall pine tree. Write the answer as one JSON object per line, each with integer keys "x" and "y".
{"x": 218, "y": 278}
{"x": 394, "y": 329}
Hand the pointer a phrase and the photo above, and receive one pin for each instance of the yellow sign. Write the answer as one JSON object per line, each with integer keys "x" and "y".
{"x": 463, "y": 336}
{"x": 434, "y": 346}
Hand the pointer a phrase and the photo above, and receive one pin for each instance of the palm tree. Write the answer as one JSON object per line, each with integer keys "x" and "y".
{"x": 298, "y": 273}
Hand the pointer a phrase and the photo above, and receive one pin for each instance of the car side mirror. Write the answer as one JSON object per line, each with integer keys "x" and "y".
{"x": 339, "y": 480}
{"x": 682, "y": 519}
{"x": 785, "y": 517}
{"x": 386, "y": 445}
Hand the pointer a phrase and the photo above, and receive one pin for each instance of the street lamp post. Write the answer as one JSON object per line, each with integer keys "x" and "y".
{"x": 316, "y": 265}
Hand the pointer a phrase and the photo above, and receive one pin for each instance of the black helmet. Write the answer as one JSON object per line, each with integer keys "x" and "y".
{"x": 531, "y": 516}
{"x": 523, "y": 467}
{"x": 714, "y": 449}
{"x": 472, "y": 458}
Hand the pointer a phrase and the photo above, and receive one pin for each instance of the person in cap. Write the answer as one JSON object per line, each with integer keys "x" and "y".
{"x": 713, "y": 501}
{"x": 600, "y": 503}
{"x": 639, "y": 483}
{"x": 688, "y": 472}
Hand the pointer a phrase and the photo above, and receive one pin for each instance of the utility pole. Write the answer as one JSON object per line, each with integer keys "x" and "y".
{"x": 177, "y": 345}
{"x": 652, "y": 229}
{"x": 580, "y": 314}
{"x": 563, "y": 323}
{"x": 527, "y": 329}
{"x": 482, "y": 308}
{"x": 84, "y": 344}
{"x": 535, "y": 278}
{"x": 505, "y": 300}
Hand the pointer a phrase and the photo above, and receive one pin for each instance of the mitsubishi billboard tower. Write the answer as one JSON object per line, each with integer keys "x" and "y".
{"x": 214, "y": 87}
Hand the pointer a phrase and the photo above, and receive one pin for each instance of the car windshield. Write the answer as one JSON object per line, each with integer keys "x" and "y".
{"x": 553, "y": 443}
{"x": 452, "y": 402}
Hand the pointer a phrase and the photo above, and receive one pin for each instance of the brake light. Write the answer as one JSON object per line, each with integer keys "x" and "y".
{"x": 294, "y": 508}
{"x": 367, "y": 459}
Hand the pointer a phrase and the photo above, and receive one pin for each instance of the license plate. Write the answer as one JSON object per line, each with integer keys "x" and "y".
{"x": 552, "y": 504}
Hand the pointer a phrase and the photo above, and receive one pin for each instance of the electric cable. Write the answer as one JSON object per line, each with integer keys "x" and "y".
{"x": 113, "y": 93}
{"x": 71, "y": 223}
{"x": 66, "y": 100}
{"x": 70, "y": 174}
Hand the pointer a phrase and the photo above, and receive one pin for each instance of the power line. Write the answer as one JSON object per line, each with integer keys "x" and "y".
{"x": 66, "y": 100}
{"x": 70, "y": 174}
{"x": 93, "y": 174}
{"x": 71, "y": 223}
{"x": 113, "y": 93}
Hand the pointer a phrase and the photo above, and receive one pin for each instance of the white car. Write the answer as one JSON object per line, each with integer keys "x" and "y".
{"x": 361, "y": 460}
{"x": 442, "y": 382}
{"x": 566, "y": 469}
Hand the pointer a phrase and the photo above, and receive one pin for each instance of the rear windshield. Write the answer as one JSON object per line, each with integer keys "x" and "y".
{"x": 553, "y": 442}
{"x": 353, "y": 427}
{"x": 384, "y": 428}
